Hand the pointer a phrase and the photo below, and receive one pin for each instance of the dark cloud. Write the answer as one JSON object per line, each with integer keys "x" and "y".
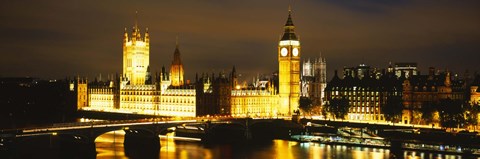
{"x": 54, "y": 39}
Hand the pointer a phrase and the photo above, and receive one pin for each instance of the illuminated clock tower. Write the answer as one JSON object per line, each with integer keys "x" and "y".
{"x": 289, "y": 69}
{"x": 136, "y": 56}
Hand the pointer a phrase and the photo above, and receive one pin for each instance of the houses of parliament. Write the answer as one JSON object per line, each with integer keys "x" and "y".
{"x": 167, "y": 93}
{"x": 367, "y": 89}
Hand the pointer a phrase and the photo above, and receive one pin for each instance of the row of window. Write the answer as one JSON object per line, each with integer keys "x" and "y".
{"x": 101, "y": 97}
{"x": 138, "y": 99}
{"x": 101, "y": 104}
{"x": 359, "y": 93}
{"x": 364, "y": 110}
{"x": 363, "y": 98}
{"x": 178, "y": 100}
{"x": 101, "y": 91}
{"x": 140, "y": 93}
{"x": 252, "y": 110}
{"x": 365, "y": 117}
{"x": 251, "y": 101}
{"x": 162, "y": 108}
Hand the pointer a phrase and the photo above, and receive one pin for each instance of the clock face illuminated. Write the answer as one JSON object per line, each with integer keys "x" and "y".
{"x": 295, "y": 51}
{"x": 284, "y": 52}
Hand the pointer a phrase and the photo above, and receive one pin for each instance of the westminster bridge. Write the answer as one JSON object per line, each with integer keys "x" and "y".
{"x": 78, "y": 138}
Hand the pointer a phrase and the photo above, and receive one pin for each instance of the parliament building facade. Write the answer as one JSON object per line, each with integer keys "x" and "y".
{"x": 138, "y": 91}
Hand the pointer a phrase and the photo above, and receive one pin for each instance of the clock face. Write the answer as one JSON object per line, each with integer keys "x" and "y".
{"x": 284, "y": 52}
{"x": 295, "y": 51}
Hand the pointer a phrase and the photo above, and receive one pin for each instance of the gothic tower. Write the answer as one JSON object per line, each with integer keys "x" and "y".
{"x": 136, "y": 56}
{"x": 323, "y": 79}
{"x": 289, "y": 69}
{"x": 82, "y": 93}
{"x": 176, "y": 69}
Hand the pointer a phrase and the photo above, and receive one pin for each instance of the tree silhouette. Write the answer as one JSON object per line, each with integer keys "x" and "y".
{"x": 451, "y": 113}
{"x": 427, "y": 110}
{"x": 392, "y": 109}
{"x": 305, "y": 104}
{"x": 338, "y": 107}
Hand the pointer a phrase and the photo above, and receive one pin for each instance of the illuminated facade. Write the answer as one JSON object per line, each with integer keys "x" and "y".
{"x": 82, "y": 95}
{"x": 137, "y": 91}
{"x": 136, "y": 56}
{"x": 220, "y": 96}
{"x": 167, "y": 94}
{"x": 289, "y": 53}
{"x": 254, "y": 102}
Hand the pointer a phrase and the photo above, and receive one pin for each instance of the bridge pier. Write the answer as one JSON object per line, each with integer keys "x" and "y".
{"x": 396, "y": 150}
{"x": 141, "y": 144}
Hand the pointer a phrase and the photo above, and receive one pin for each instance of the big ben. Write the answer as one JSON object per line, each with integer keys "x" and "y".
{"x": 289, "y": 69}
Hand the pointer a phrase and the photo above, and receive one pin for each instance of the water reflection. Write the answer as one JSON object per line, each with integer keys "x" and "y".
{"x": 110, "y": 145}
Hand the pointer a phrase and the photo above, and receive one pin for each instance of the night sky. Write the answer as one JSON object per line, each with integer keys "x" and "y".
{"x": 55, "y": 39}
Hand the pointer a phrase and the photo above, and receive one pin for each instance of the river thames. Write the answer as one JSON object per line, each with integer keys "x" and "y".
{"x": 110, "y": 145}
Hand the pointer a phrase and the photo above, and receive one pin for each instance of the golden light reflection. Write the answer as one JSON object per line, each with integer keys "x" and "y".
{"x": 167, "y": 144}
{"x": 358, "y": 154}
{"x": 283, "y": 149}
{"x": 110, "y": 145}
{"x": 315, "y": 151}
{"x": 208, "y": 154}
{"x": 183, "y": 154}
{"x": 379, "y": 155}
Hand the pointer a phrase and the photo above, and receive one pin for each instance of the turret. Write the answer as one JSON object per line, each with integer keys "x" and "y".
{"x": 147, "y": 37}
{"x": 448, "y": 81}
{"x": 125, "y": 38}
{"x": 234, "y": 78}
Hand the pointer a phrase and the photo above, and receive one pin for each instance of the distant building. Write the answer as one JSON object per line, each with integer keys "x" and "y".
{"x": 361, "y": 71}
{"x": 27, "y": 101}
{"x": 475, "y": 91}
{"x": 407, "y": 69}
{"x": 367, "y": 90}
{"x": 314, "y": 80}
{"x": 421, "y": 89}
{"x": 366, "y": 93}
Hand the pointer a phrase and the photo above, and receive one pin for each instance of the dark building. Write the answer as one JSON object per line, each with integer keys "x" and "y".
{"x": 32, "y": 101}
{"x": 365, "y": 92}
{"x": 213, "y": 95}
{"x": 422, "y": 89}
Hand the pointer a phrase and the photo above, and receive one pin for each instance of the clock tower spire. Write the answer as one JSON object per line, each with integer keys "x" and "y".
{"x": 289, "y": 68}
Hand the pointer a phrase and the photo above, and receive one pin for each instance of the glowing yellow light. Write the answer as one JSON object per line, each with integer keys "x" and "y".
{"x": 126, "y": 128}
{"x": 54, "y": 133}
{"x": 289, "y": 42}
